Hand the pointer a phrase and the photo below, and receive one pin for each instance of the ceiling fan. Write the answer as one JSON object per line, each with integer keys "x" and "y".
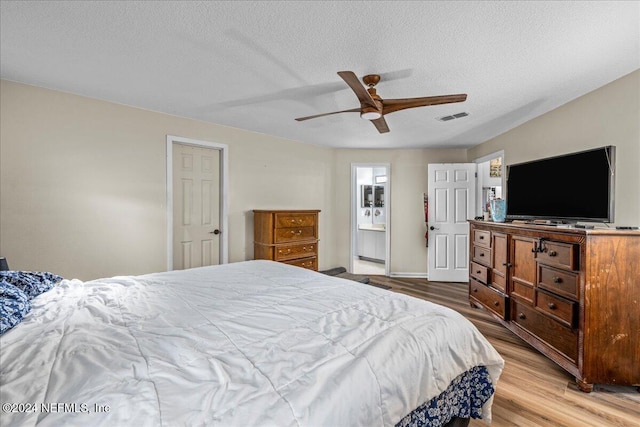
{"x": 374, "y": 108}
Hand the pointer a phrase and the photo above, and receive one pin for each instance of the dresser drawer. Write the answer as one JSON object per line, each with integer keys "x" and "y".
{"x": 309, "y": 263}
{"x": 559, "y": 254}
{"x": 482, "y": 255}
{"x": 482, "y": 238}
{"x": 480, "y": 272}
{"x": 559, "y": 308}
{"x": 490, "y": 298}
{"x": 556, "y": 280}
{"x": 295, "y": 251}
{"x": 553, "y": 333}
{"x": 284, "y": 220}
{"x": 294, "y": 234}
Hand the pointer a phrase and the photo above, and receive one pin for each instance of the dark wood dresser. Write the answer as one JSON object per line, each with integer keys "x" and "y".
{"x": 289, "y": 236}
{"x": 573, "y": 294}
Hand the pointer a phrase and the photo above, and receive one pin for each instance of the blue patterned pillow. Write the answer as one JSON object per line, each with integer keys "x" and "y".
{"x": 32, "y": 283}
{"x": 14, "y": 305}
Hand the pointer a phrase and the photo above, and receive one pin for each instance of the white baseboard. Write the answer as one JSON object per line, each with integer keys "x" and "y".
{"x": 410, "y": 275}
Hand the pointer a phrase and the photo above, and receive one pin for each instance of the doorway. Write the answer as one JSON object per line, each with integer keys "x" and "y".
{"x": 197, "y": 232}
{"x": 370, "y": 218}
{"x": 490, "y": 183}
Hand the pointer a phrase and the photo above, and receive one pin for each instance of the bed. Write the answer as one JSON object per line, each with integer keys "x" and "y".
{"x": 254, "y": 343}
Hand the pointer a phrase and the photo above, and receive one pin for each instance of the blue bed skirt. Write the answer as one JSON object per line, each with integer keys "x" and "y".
{"x": 463, "y": 399}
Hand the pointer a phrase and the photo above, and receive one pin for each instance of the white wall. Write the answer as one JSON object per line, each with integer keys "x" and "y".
{"x": 609, "y": 115}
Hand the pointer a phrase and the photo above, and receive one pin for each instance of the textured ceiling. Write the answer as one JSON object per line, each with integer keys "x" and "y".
{"x": 257, "y": 65}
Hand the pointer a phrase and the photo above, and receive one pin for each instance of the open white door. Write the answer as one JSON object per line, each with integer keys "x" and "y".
{"x": 451, "y": 191}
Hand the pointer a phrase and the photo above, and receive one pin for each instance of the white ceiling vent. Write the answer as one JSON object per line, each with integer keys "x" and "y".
{"x": 453, "y": 116}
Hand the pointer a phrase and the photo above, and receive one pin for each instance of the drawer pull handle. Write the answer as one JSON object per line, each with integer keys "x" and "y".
{"x": 481, "y": 253}
{"x": 552, "y": 306}
{"x": 522, "y": 316}
{"x": 282, "y": 252}
{"x": 481, "y": 237}
{"x": 553, "y": 253}
{"x": 557, "y": 279}
{"x": 478, "y": 272}
{"x": 496, "y": 303}
{"x": 299, "y": 232}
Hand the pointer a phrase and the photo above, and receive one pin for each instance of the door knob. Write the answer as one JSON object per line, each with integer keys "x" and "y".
{"x": 433, "y": 228}
{"x": 216, "y": 232}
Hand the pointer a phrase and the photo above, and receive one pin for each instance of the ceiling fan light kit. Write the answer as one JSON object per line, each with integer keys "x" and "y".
{"x": 374, "y": 108}
{"x": 370, "y": 113}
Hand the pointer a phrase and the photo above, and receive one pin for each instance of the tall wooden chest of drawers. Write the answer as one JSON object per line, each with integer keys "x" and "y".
{"x": 288, "y": 236}
{"x": 573, "y": 294}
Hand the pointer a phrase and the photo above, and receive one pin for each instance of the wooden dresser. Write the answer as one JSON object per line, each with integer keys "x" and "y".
{"x": 573, "y": 294}
{"x": 288, "y": 236}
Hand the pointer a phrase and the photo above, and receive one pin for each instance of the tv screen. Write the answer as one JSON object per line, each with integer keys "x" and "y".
{"x": 572, "y": 187}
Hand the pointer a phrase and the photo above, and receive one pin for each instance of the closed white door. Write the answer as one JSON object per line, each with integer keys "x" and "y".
{"x": 451, "y": 191}
{"x": 196, "y": 206}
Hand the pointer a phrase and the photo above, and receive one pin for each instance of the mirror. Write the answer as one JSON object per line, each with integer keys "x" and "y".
{"x": 378, "y": 196}
{"x": 366, "y": 192}
{"x": 372, "y": 196}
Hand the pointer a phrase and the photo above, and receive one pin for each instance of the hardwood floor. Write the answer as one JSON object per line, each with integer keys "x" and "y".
{"x": 532, "y": 391}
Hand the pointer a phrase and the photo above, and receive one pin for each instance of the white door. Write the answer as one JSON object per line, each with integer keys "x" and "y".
{"x": 196, "y": 206}
{"x": 451, "y": 192}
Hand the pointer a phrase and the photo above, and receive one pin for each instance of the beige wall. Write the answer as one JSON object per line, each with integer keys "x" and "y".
{"x": 408, "y": 183}
{"x": 82, "y": 183}
{"x": 83, "y": 186}
{"x": 609, "y": 115}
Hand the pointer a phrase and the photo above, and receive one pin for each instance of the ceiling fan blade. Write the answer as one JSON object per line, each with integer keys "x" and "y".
{"x": 352, "y": 80}
{"x": 353, "y": 110}
{"x": 381, "y": 125}
{"x": 392, "y": 105}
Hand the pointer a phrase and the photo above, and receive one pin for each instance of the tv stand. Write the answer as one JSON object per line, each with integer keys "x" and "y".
{"x": 571, "y": 293}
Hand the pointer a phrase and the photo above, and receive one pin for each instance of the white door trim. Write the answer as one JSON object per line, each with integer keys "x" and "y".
{"x": 224, "y": 186}
{"x": 354, "y": 212}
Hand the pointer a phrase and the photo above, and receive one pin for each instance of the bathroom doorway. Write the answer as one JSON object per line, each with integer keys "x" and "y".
{"x": 370, "y": 213}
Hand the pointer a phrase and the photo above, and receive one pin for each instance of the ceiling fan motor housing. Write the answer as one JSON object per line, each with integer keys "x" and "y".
{"x": 369, "y": 112}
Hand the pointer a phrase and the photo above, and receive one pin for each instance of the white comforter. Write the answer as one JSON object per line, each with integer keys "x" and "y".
{"x": 244, "y": 344}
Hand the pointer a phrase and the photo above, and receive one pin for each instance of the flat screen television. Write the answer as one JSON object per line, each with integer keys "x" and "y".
{"x": 568, "y": 188}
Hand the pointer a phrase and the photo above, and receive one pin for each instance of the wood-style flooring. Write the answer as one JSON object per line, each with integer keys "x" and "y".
{"x": 532, "y": 391}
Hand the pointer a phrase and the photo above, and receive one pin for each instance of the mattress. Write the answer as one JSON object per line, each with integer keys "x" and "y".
{"x": 243, "y": 344}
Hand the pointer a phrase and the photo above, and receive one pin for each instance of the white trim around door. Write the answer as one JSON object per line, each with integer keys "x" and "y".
{"x": 224, "y": 186}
